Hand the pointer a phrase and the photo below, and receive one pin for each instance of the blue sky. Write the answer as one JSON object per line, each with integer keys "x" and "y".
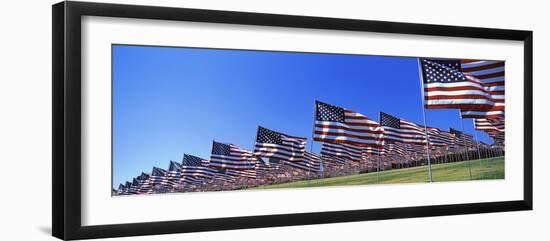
{"x": 171, "y": 101}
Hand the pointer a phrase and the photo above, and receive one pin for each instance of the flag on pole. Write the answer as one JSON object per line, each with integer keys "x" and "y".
{"x": 273, "y": 144}
{"x": 475, "y": 87}
{"x": 463, "y": 138}
{"x": 197, "y": 172}
{"x": 229, "y": 156}
{"x": 497, "y": 136}
{"x": 261, "y": 165}
{"x": 120, "y": 190}
{"x": 400, "y": 130}
{"x": 496, "y": 125}
{"x": 373, "y": 151}
{"x": 335, "y": 124}
{"x": 310, "y": 162}
{"x": 495, "y": 112}
{"x": 190, "y": 174}
{"x": 158, "y": 176}
{"x": 342, "y": 151}
{"x": 144, "y": 183}
{"x": 127, "y": 187}
{"x": 173, "y": 174}
{"x": 438, "y": 138}
{"x": 134, "y": 186}
{"x": 190, "y": 160}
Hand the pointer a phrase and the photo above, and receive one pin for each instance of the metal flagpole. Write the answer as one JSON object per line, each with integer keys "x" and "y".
{"x": 378, "y": 169}
{"x": 313, "y": 140}
{"x": 478, "y": 152}
{"x": 424, "y": 116}
{"x": 464, "y": 141}
{"x": 446, "y": 154}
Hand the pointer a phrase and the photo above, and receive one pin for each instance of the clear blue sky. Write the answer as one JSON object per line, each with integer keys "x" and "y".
{"x": 171, "y": 101}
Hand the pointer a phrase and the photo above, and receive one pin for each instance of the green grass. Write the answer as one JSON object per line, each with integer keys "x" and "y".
{"x": 491, "y": 168}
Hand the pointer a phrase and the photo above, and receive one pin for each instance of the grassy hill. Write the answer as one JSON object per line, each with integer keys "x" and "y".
{"x": 492, "y": 168}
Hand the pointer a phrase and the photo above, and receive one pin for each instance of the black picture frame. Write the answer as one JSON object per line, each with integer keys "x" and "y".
{"x": 66, "y": 75}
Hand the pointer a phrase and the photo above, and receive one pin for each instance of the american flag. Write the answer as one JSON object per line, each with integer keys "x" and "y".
{"x": 261, "y": 165}
{"x": 190, "y": 160}
{"x": 496, "y": 125}
{"x": 374, "y": 151}
{"x": 222, "y": 176}
{"x": 158, "y": 176}
{"x": 272, "y": 144}
{"x": 229, "y": 156}
{"x": 120, "y": 190}
{"x": 476, "y": 87}
{"x": 190, "y": 174}
{"x": 251, "y": 173}
{"x": 127, "y": 187}
{"x": 415, "y": 149}
{"x": 335, "y": 124}
{"x": 173, "y": 174}
{"x": 395, "y": 148}
{"x": 450, "y": 139}
{"x": 310, "y": 162}
{"x": 192, "y": 171}
{"x": 496, "y": 112}
{"x": 462, "y": 138}
{"x": 134, "y": 187}
{"x": 498, "y": 137}
{"x": 144, "y": 183}
{"x": 342, "y": 151}
{"x": 400, "y": 130}
{"x": 438, "y": 138}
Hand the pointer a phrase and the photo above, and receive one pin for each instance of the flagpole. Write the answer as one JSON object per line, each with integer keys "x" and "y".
{"x": 313, "y": 139}
{"x": 424, "y": 117}
{"x": 478, "y": 152}
{"x": 464, "y": 141}
{"x": 378, "y": 169}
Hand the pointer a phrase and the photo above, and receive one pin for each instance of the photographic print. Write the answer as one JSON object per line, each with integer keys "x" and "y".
{"x": 288, "y": 120}
{"x": 204, "y": 120}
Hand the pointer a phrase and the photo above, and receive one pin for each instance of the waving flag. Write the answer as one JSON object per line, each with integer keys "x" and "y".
{"x": 395, "y": 148}
{"x": 120, "y": 190}
{"x": 449, "y": 138}
{"x": 496, "y": 125}
{"x": 127, "y": 187}
{"x": 437, "y": 137}
{"x": 399, "y": 130}
{"x": 251, "y": 173}
{"x": 310, "y": 162}
{"x": 373, "y": 151}
{"x": 158, "y": 176}
{"x": 272, "y": 144}
{"x": 232, "y": 157}
{"x": 173, "y": 174}
{"x": 133, "y": 189}
{"x": 144, "y": 183}
{"x": 263, "y": 166}
{"x": 463, "y": 138}
{"x": 498, "y": 137}
{"x": 190, "y": 160}
{"x": 335, "y": 124}
{"x": 342, "y": 151}
{"x": 475, "y": 87}
{"x": 192, "y": 173}
{"x": 495, "y": 112}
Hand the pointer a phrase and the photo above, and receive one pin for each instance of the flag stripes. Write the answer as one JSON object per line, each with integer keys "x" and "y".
{"x": 342, "y": 151}
{"x": 335, "y": 124}
{"x": 399, "y": 130}
{"x": 272, "y": 144}
{"x": 229, "y": 156}
{"x": 475, "y": 86}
